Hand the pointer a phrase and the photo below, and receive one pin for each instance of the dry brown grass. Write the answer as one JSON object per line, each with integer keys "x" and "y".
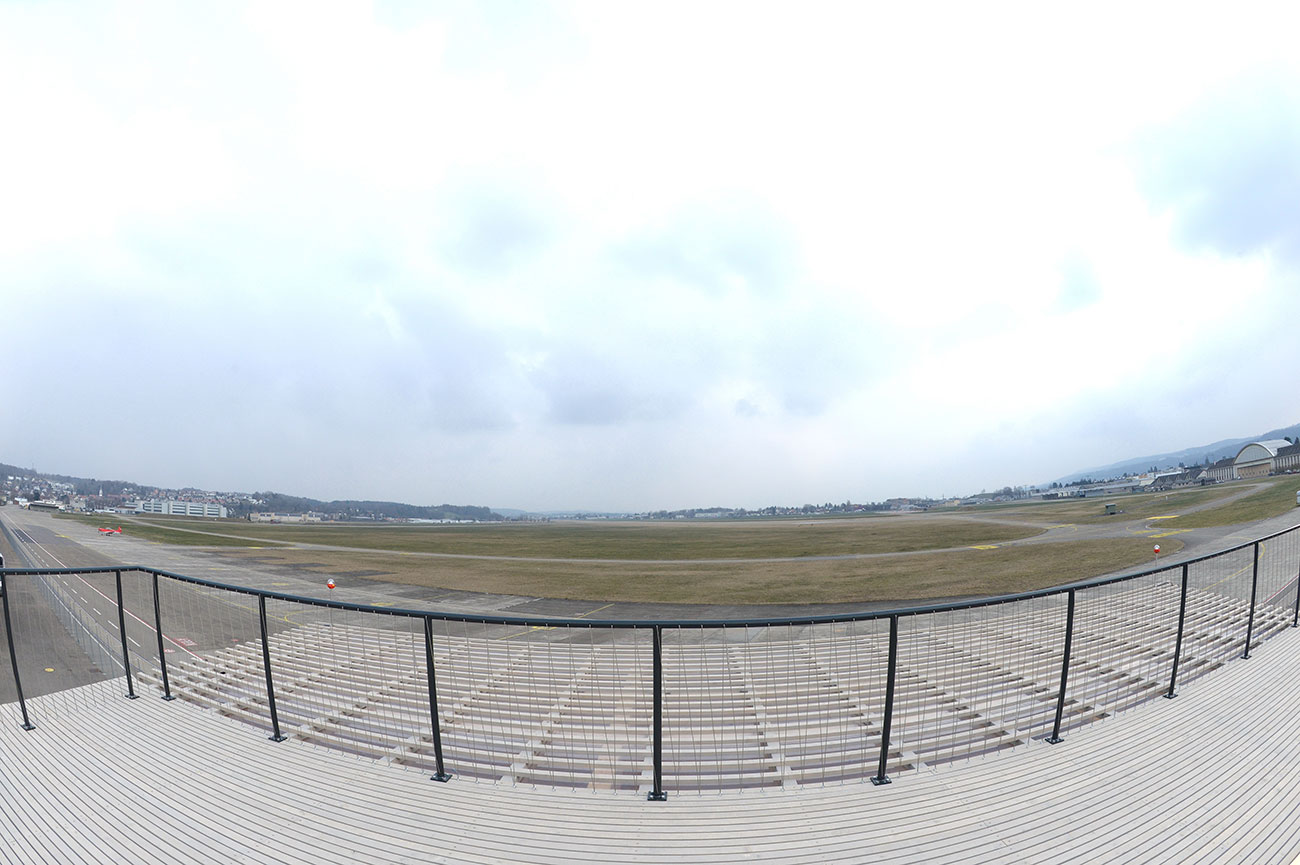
{"x": 626, "y": 540}
{"x": 919, "y": 576}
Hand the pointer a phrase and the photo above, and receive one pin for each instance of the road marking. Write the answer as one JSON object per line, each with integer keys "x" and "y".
{"x": 382, "y": 603}
{"x": 104, "y": 596}
{"x": 1237, "y": 572}
{"x": 1171, "y": 533}
{"x": 533, "y": 628}
{"x": 1167, "y": 517}
{"x": 49, "y": 669}
{"x": 597, "y": 610}
{"x": 985, "y": 547}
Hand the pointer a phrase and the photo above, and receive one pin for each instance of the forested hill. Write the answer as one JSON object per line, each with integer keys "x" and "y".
{"x": 280, "y": 503}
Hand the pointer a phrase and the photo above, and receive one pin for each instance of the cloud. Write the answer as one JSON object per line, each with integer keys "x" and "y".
{"x": 1228, "y": 168}
{"x": 514, "y": 255}
{"x": 716, "y": 246}
{"x": 1079, "y": 286}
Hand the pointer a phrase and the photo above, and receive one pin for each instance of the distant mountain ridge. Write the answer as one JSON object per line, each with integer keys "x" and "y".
{"x": 1188, "y": 456}
{"x": 351, "y": 509}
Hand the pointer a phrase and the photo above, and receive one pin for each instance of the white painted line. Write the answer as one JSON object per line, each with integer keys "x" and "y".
{"x": 113, "y": 602}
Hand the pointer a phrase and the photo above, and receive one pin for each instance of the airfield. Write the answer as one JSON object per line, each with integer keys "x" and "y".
{"x": 689, "y": 569}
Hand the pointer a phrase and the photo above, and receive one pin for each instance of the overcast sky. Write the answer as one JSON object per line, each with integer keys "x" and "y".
{"x": 635, "y": 256}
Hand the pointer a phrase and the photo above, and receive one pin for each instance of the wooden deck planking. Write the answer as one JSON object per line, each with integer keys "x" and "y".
{"x": 1210, "y": 776}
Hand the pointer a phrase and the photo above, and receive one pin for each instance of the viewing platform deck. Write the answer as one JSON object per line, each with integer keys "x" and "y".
{"x": 1211, "y": 776}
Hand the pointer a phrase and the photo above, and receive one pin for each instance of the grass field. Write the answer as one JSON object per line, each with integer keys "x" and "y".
{"x": 918, "y": 576}
{"x": 627, "y": 540}
{"x": 912, "y": 557}
{"x": 1274, "y": 498}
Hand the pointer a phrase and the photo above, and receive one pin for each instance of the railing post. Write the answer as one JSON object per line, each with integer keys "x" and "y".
{"x": 266, "y": 665}
{"x": 13, "y": 657}
{"x": 441, "y": 770}
{"x": 121, "y": 628}
{"x": 1295, "y": 618}
{"x": 1055, "y": 738}
{"x": 162, "y": 655}
{"x": 658, "y": 794}
{"x": 881, "y": 777}
{"x": 1254, "y": 586}
{"x": 1178, "y": 644}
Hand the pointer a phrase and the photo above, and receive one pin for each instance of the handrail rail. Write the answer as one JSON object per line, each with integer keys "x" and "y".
{"x": 558, "y": 622}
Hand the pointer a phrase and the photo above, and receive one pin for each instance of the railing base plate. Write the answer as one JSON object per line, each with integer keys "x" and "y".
{"x": 277, "y": 738}
{"x": 881, "y": 781}
{"x": 1054, "y": 740}
{"x": 168, "y": 697}
{"x": 661, "y": 796}
{"x": 444, "y": 777}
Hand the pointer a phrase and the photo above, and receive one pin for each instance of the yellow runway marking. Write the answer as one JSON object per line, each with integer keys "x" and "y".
{"x": 985, "y": 547}
{"x": 1170, "y": 534}
{"x": 383, "y": 603}
{"x": 597, "y": 610}
{"x": 1239, "y": 571}
{"x": 533, "y": 628}
{"x": 1167, "y": 517}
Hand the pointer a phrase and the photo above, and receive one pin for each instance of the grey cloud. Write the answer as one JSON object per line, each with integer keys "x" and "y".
{"x": 590, "y": 389}
{"x": 1229, "y": 169}
{"x": 810, "y": 357}
{"x": 1079, "y": 287}
{"x": 715, "y": 248}
{"x": 490, "y": 230}
{"x": 495, "y": 235}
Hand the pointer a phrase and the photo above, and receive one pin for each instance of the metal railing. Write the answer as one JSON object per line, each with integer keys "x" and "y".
{"x": 660, "y": 706}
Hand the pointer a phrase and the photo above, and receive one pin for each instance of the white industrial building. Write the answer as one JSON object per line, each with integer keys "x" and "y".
{"x": 1256, "y": 460}
{"x": 171, "y": 507}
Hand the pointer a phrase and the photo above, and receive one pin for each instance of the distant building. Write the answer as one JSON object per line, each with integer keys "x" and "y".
{"x": 171, "y": 507}
{"x": 1287, "y": 459}
{"x": 284, "y": 518}
{"x": 1219, "y": 471}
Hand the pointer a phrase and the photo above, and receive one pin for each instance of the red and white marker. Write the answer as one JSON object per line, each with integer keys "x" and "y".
{"x": 1157, "y": 549}
{"x": 330, "y": 584}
